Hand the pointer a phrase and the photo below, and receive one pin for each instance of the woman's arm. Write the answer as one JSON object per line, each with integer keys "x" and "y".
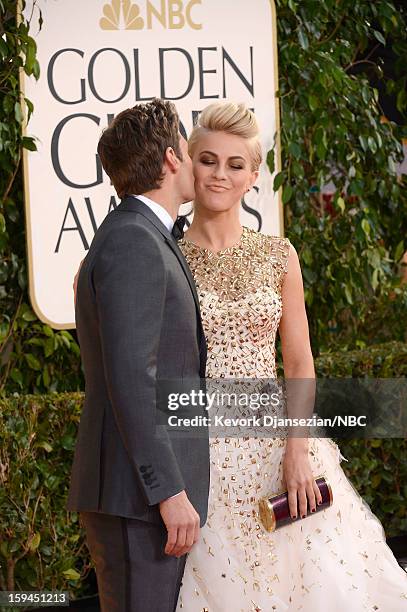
{"x": 300, "y": 383}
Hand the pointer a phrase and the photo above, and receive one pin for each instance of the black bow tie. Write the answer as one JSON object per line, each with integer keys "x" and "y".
{"x": 178, "y": 228}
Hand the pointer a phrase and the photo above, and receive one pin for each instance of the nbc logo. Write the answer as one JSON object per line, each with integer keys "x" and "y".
{"x": 171, "y": 14}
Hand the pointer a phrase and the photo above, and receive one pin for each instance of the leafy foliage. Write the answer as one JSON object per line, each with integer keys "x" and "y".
{"x": 33, "y": 357}
{"x": 377, "y": 467}
{"x": 332, "y": 130}
{"x": 387, "y": 360}
{"x": 41, "y": 544}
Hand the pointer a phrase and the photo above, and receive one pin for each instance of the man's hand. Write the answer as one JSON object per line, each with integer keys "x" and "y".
{"x": 75, "y": 282}
{"x": 182, "y": 523}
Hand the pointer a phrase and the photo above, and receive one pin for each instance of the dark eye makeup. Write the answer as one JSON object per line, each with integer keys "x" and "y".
{"x": 208, "y": 161}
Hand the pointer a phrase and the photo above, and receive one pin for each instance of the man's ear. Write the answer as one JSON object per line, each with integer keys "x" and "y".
{"x": 171, "y": 160}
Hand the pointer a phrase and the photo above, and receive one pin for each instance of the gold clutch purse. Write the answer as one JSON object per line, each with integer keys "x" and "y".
{"x": 275, "y": 512}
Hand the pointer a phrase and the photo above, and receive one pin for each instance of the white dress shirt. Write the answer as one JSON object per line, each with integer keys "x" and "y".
{"x": 159, "y": 211}
{"x": 168, "y": 221}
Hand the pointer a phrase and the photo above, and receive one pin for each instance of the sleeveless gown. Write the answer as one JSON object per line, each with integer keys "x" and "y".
{"x": 336, "y": 559}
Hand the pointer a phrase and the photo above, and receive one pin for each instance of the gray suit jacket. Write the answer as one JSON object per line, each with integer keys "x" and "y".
{"x": 138, "y": 322}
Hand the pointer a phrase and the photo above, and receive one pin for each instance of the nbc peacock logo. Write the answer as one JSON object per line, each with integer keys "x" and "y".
{"x": 121, "y": 15}
{"x": 169, "y": 14}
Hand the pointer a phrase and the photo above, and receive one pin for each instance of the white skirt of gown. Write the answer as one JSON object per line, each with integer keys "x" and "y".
{"x": 335, "y": 560}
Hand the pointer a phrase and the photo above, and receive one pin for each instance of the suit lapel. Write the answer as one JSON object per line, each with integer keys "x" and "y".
{"x": 202, "y": 342}
{"x": 132, "y": 204}
{"x": 175, "y": 249}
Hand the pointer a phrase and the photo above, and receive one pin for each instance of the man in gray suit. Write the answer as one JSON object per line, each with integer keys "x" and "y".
{"x": 142, "y": 494}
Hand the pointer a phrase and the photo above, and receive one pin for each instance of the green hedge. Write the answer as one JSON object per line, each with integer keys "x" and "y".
{"x": 42, "y": 545}
{"x": 387, "y": 360}
{"x": 377, "y": 467}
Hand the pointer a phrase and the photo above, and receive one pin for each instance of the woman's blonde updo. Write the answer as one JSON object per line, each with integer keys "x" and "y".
{"x": 231, "y": 118}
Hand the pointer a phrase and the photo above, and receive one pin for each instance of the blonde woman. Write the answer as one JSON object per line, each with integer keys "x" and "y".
{"x": 250, "y": 288}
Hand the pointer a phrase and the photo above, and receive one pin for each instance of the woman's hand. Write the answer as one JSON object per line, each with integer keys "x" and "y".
{"x": 298, "y": 477}
{"x": 75, "y": 282}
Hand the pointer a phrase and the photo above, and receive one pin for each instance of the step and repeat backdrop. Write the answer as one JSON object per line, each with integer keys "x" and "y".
{"x": 98, "y": 58}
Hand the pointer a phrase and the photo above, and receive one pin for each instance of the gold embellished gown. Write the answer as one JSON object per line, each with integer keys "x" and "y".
{"x": 334, "y": 560}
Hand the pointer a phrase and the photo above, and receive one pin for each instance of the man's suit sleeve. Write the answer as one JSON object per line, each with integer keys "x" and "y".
{"x": 129, "y": 280}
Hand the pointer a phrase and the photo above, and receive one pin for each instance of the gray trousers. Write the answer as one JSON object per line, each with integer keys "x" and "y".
{"x": 133, "y": 572}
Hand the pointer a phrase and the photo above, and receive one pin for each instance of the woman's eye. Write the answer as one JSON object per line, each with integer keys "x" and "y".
{"x": 237, "y": 167}
{"x": 207, "y": 161}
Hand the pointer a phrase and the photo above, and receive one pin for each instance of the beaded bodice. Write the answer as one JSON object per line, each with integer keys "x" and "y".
{"x": 239, "y": 291}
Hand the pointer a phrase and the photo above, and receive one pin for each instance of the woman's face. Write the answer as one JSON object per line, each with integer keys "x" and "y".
{"x": 222, "y": 170}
